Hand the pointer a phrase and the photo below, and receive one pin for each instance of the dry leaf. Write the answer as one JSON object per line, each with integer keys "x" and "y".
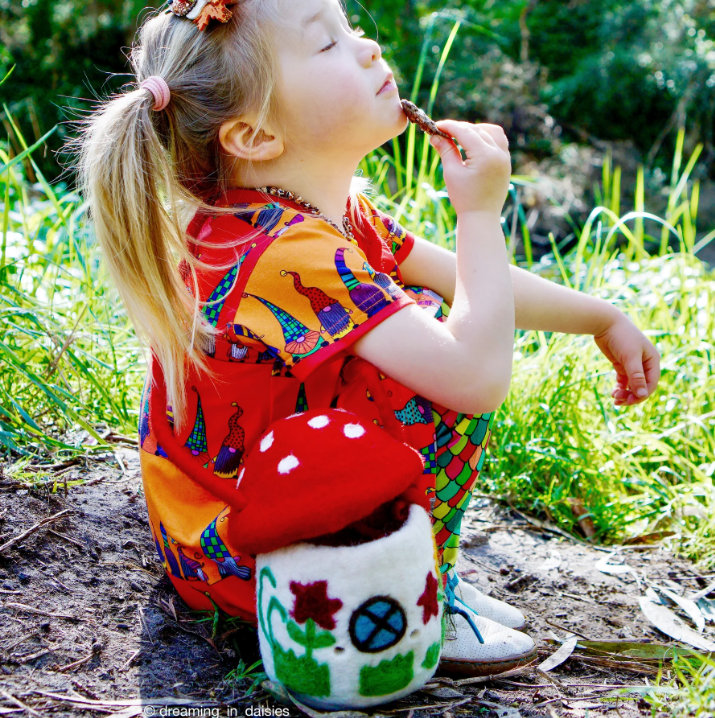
{"x": 612, "y": 568}
{"x": 687, "y": 605}
{"x": 558, "y": 657}
{"x": 702, "y": 593}
{"x": 583, "y": 517}
{"x": 707, "y": 608}
{"x": 667, "y": 622}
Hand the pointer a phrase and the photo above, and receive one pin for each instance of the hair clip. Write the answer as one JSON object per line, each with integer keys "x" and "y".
{"x": 202, "y": 11}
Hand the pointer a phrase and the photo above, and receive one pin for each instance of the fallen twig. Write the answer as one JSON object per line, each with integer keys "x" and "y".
{"x": 145, "y": 624}
{"x": 66, "y": 538}
{"x": 14, "y": 700}
{"x": 21, "y": 640}
{"x": 485, "y": 679}
{"x": 96, "y": 648}
{"x": 34, "y": 528}
{"x": 39, "y": 612}
{"x": 569, "y": 630}
{"x": 129, "y": 660}
{"x": 20, "y": 660}
{"x": 52, "y": 467}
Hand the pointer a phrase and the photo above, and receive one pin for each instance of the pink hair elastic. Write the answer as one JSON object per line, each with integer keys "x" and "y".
{"x": 158, "y": 87}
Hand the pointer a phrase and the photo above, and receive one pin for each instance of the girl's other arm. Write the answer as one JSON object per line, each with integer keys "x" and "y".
{"x": 546, "y": 306}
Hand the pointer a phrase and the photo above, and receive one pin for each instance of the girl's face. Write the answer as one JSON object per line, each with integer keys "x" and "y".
{"x": 336, "y": 93}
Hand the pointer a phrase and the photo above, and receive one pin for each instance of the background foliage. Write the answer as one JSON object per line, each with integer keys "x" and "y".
{"x": 544, "y": 69}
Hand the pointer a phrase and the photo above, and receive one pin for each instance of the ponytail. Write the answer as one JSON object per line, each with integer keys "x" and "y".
{"x": 133, "y": 199}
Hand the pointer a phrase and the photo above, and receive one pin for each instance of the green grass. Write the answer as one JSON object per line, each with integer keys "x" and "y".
{"x": 70, "y": 360}
{"x": 558, "y": 435}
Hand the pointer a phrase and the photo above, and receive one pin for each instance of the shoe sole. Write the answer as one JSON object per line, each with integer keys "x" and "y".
{"x": 471, "y": 669}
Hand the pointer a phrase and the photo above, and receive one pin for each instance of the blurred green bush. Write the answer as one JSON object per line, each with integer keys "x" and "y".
{"x": 543, "y": 69}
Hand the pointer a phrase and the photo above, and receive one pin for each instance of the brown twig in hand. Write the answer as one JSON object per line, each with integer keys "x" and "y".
{"x": 34, "y": 528}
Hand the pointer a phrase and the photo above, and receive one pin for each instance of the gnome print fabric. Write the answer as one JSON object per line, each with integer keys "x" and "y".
{"x": 290, "y": 299}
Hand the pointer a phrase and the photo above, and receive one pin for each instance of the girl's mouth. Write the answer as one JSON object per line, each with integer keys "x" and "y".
{"x": 388, "y": 85}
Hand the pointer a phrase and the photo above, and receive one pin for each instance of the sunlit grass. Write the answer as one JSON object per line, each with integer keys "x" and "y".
{"x": 558, "y": 435}
{"x": 70, "y": 360}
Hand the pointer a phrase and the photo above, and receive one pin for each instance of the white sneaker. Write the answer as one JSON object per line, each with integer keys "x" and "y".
{"x": 474, "y": 645}
{"x": 486, "y": 606}
{"x": 499, "y": 650}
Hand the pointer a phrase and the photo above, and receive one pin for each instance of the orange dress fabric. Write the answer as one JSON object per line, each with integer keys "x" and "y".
{"x": 296, "y": 296}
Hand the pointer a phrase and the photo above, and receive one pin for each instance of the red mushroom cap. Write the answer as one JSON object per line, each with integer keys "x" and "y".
{"x": 314, "y": 473}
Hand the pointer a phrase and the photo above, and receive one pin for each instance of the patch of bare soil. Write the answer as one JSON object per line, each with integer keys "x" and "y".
{"x": 89, "y": 623}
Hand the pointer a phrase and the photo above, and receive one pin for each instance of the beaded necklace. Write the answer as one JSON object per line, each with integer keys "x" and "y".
{"x": 346, "y": 231}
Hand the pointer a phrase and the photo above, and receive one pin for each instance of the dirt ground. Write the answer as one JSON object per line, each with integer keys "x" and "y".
{"x": 89, "y": 623}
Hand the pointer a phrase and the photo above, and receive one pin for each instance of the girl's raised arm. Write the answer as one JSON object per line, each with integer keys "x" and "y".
{"x": 465, "y": 362}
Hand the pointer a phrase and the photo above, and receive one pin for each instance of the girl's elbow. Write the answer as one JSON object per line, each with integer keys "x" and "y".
{"x": 489, "y": 395}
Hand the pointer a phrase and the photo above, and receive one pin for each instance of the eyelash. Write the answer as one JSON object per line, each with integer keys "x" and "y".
{"x": 357, "y": 32}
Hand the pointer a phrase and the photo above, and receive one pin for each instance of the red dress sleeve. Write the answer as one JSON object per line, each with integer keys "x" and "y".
{"x": 312, "y": 293}
{"x": 398, "y": 240}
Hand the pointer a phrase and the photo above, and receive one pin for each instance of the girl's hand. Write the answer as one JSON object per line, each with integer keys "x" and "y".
{"x": 635, "y": 359}
{"x": 481, "y": 181}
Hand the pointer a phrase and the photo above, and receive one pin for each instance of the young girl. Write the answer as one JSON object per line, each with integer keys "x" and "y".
{"x": 288, "y": 287}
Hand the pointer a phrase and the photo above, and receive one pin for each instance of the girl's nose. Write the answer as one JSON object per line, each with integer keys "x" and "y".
{"x": 371, "y": 52}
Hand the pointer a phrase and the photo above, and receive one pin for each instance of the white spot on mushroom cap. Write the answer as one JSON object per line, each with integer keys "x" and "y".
{"x": 267, "y": 441}
{"x": 353, "y": 431}
{"x": 287, "y": 464}
{"x": 298, "y": 413}
{"x": 318, "y": 422}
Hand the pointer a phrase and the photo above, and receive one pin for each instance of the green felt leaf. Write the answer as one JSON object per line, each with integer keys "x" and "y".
{"x": 295, "y": 632}
{"x": 323, "y": 640}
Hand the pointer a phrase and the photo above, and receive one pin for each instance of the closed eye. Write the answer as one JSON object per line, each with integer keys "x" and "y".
{"x": 357, "y": 32}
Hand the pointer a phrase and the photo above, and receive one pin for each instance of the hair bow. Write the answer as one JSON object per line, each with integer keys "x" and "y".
{"x": 202, "y": 11}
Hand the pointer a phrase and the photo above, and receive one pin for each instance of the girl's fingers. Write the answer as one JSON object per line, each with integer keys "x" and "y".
{"x": 473, "y": 137}
{"x": 651, "y": 365}
{"x": 636, "y": 376}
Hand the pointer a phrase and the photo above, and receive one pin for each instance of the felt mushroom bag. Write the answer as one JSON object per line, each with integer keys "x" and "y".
{"x": 349, "y": 597}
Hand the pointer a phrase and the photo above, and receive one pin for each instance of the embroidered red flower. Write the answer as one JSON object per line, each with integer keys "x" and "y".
{"x": 428, "y": 599}
{"x": 311, "y": 601}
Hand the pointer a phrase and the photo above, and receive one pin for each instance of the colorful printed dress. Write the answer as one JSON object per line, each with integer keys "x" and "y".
{"x": 294, "y": 298}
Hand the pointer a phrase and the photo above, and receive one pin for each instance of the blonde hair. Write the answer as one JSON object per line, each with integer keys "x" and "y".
{"x": 145, "y": 173}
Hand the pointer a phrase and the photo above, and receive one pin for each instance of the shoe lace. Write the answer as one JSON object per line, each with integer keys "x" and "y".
{"x": 451, "y": 600}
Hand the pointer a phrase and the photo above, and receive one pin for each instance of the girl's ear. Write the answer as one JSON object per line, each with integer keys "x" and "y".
{"x": 240, "y": 139}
